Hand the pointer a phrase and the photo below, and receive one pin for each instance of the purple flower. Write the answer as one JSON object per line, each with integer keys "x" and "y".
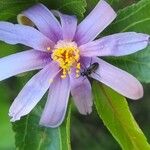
{"x": 62, "y": 51}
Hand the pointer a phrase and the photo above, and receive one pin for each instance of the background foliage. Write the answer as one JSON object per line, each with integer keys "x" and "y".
{"x": 87, "y": 132}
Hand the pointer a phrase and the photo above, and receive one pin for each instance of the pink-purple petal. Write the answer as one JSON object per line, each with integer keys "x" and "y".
{"x": 116, "y": 45}
{"x": 26, "y": 35}
{"x": 44, "y": 20}
{"x": 82, "y": 94}
{"x": 33, "y": 91}
{"x": 56, "y": 106}
{"x": 119, "y": 80}
{"x": 22, "y": 62}
{"x": 100, "y": 17}
{"x": 69, "y": 25}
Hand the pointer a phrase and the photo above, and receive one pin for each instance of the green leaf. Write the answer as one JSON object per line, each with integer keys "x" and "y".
{"x": 90, "y": 5}
{"x": 75, "y": 7}
{"x": 6, "y": 49}
{"x": 115, "y": 4}
{"x": 10, "y": 9}
{"x": 133, "y": 18}
{"x": 114, "y": 111}
{"x": 30, "y": 135}
{"x": 113, "y": 1}
{"x": 5, "y": 125}
{"x": 119, "y": 4}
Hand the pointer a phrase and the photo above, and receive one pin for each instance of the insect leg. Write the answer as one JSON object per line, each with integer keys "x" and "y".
{"x": 90, "y": 62}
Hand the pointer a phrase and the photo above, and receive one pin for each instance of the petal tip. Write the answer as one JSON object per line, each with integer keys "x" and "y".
{"x": 14, "y": 118}
{"x": 110, "y": 9}
{"x": 24, "y": 20}
{"x": 88, "y": 112}
{"x": 138, "y": 93}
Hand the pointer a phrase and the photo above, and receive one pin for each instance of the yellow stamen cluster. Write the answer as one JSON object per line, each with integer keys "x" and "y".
{"x": 67, "y": 55}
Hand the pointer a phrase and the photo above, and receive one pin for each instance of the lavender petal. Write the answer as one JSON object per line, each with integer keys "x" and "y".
{"x": 26, "y": 35}
{"x": 33, "y": 91}
{"x": 119, "y": 80}
{"x": 69, "y": 25}
{"x": 119, "y": 44}
{"x": 82, "y": 94}
{"x": 56, "y": 106}
{"x": 44, "y": 20}
{"x": 22, "y": 62}
{"x": 101, "y": 16}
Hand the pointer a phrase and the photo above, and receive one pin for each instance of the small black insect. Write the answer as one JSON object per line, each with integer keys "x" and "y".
{"x": 91, "y": 69}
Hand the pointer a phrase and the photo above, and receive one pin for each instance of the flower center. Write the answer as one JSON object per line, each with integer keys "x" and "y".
{"x": 66, "y": 54}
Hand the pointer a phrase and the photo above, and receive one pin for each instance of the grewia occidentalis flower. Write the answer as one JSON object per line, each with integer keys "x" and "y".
{"x": 63, "y": 51}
